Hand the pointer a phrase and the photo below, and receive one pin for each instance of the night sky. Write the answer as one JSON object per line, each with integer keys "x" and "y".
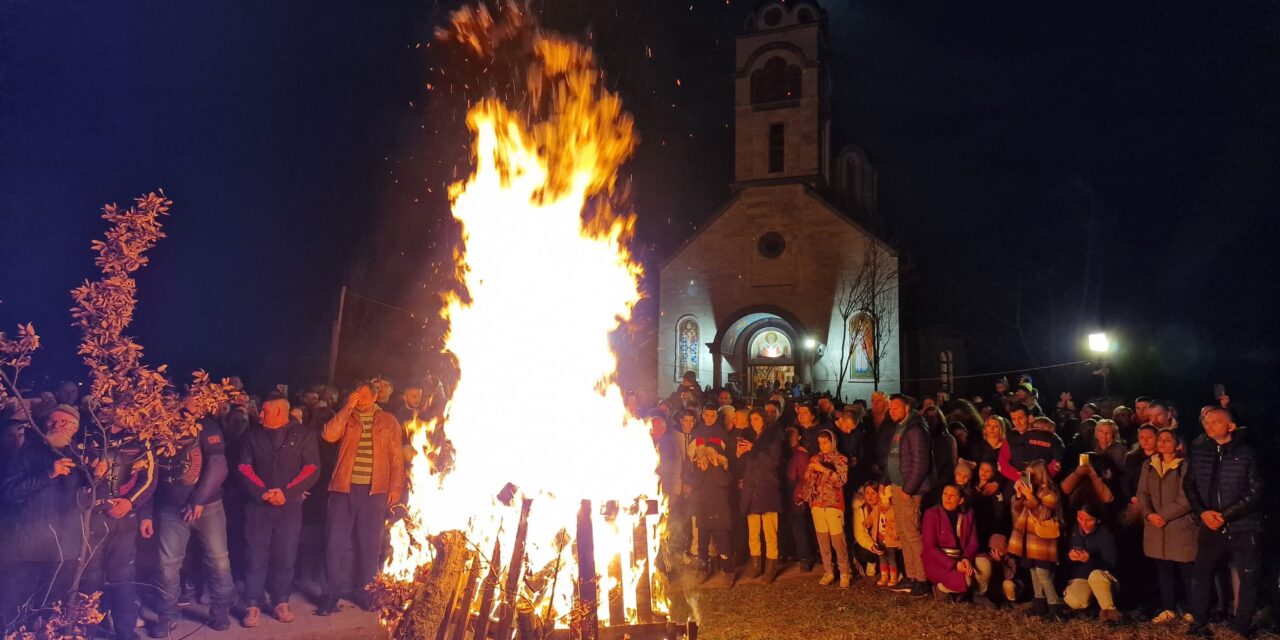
{"x": 1019, "y": 147}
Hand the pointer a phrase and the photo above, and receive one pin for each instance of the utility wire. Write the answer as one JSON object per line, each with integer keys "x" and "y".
{"x": 379, "y": 302}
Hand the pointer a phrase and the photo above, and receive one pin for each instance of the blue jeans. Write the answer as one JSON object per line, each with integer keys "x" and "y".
{"x": 211, "y": 531}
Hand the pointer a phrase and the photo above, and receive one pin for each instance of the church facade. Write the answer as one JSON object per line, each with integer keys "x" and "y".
{"x": 764, "y": 292}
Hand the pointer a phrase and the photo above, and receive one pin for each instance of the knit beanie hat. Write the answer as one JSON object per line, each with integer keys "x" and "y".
{"x": 71, "y": 411}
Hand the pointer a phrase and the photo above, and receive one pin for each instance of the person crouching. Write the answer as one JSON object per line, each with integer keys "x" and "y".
{"x": 950, "y": 541}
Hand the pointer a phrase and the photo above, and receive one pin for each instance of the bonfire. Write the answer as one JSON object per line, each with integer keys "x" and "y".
{"x": 549, "y": 521}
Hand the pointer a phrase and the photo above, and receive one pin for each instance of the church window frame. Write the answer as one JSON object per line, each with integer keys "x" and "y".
{"x": 771, "y": 245}
{"x": 862, "y": 347}
{"x": 946, "y": 370}
{"x": 772, "y": 17}
{"x": 777, "y": 151}
{"x": 777, "y": 81}
{"x": 688, "y": 349}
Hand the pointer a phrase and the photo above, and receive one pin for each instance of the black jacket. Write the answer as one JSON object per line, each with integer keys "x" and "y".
{"x": 39, "y": 515}
{"x": 1036, "y": 444}
{"x": 194, "y": 474}
{"x": 131, "y": 466}
{"x": 761, "y": 482}
{"x": 1225, "y": 478}
{"x": 292, "y": 465}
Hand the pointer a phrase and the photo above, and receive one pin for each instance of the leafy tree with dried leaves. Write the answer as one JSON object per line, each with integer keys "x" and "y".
{"x": 15, "y": 355}
{"x": 125, "y": 393}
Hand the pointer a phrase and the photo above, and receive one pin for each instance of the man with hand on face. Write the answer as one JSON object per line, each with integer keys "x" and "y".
{"x": 278, "y": 463}
{"x": 367, "y": 482}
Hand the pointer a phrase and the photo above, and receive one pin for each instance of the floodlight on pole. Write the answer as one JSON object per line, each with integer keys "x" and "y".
{"x": 1098, "y": 343}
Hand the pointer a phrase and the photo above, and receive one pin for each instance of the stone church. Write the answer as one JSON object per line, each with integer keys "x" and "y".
{"x": 755, "y": 296}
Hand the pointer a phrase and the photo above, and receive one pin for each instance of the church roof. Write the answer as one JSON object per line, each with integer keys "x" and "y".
{"x": 810, "y": 191}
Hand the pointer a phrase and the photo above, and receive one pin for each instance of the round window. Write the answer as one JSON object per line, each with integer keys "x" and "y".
{"x": 773, "y": 16}
{"x": 771, "y": 245}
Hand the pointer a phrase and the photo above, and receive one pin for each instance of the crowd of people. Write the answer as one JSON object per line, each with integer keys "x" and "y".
{"x": 993, "y": 501}
{"x": 244, "y": 487}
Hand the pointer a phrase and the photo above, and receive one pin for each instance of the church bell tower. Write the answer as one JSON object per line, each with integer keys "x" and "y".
{"x": 782, "y": 120}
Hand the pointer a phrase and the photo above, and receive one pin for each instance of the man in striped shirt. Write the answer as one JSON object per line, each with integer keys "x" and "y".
{"x": 367, "y": 480}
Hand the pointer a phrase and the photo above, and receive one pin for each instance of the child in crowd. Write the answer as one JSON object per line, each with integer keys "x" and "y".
{"x": 997, "y": 564}
{"x": 990, "y": 502}
{"x": 1037, "y": 526}
{"x": 874, "y": 531}
{"x": 711, "y": 480}
{"x": 823, "y": 484}
{"x": 963, "y": 478}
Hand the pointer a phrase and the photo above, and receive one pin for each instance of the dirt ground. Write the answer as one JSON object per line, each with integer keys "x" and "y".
{"x": 795, "y": 607}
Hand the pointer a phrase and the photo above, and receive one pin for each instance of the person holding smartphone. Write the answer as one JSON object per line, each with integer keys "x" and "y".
{"x": 1037, "y": 522}
{"x": 1092, "y": 561}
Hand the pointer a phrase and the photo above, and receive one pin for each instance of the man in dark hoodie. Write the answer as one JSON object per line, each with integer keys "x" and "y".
{"x": 1224, "y": 487}
{"x": 908, "y": 469}
{"x": 40, "y": 506}
{"x": 278, "y": 463}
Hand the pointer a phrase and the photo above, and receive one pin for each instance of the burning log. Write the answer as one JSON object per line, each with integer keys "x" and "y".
{"x": 434, "y": 596}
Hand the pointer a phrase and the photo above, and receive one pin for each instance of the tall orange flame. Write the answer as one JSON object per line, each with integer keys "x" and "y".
{"x": 548, "y": 279}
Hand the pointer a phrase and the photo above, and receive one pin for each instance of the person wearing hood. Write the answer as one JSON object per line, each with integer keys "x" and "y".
{"x": 823, "y": 489}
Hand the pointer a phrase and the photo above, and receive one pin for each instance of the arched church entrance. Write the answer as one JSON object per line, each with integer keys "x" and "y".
{"x": 759, "y": 349}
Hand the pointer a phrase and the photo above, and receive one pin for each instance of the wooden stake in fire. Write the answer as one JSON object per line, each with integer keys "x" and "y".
{"x": 589, "y": 624}
{"x": 640, "y": 549}
{"x": 513, "y": 573}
